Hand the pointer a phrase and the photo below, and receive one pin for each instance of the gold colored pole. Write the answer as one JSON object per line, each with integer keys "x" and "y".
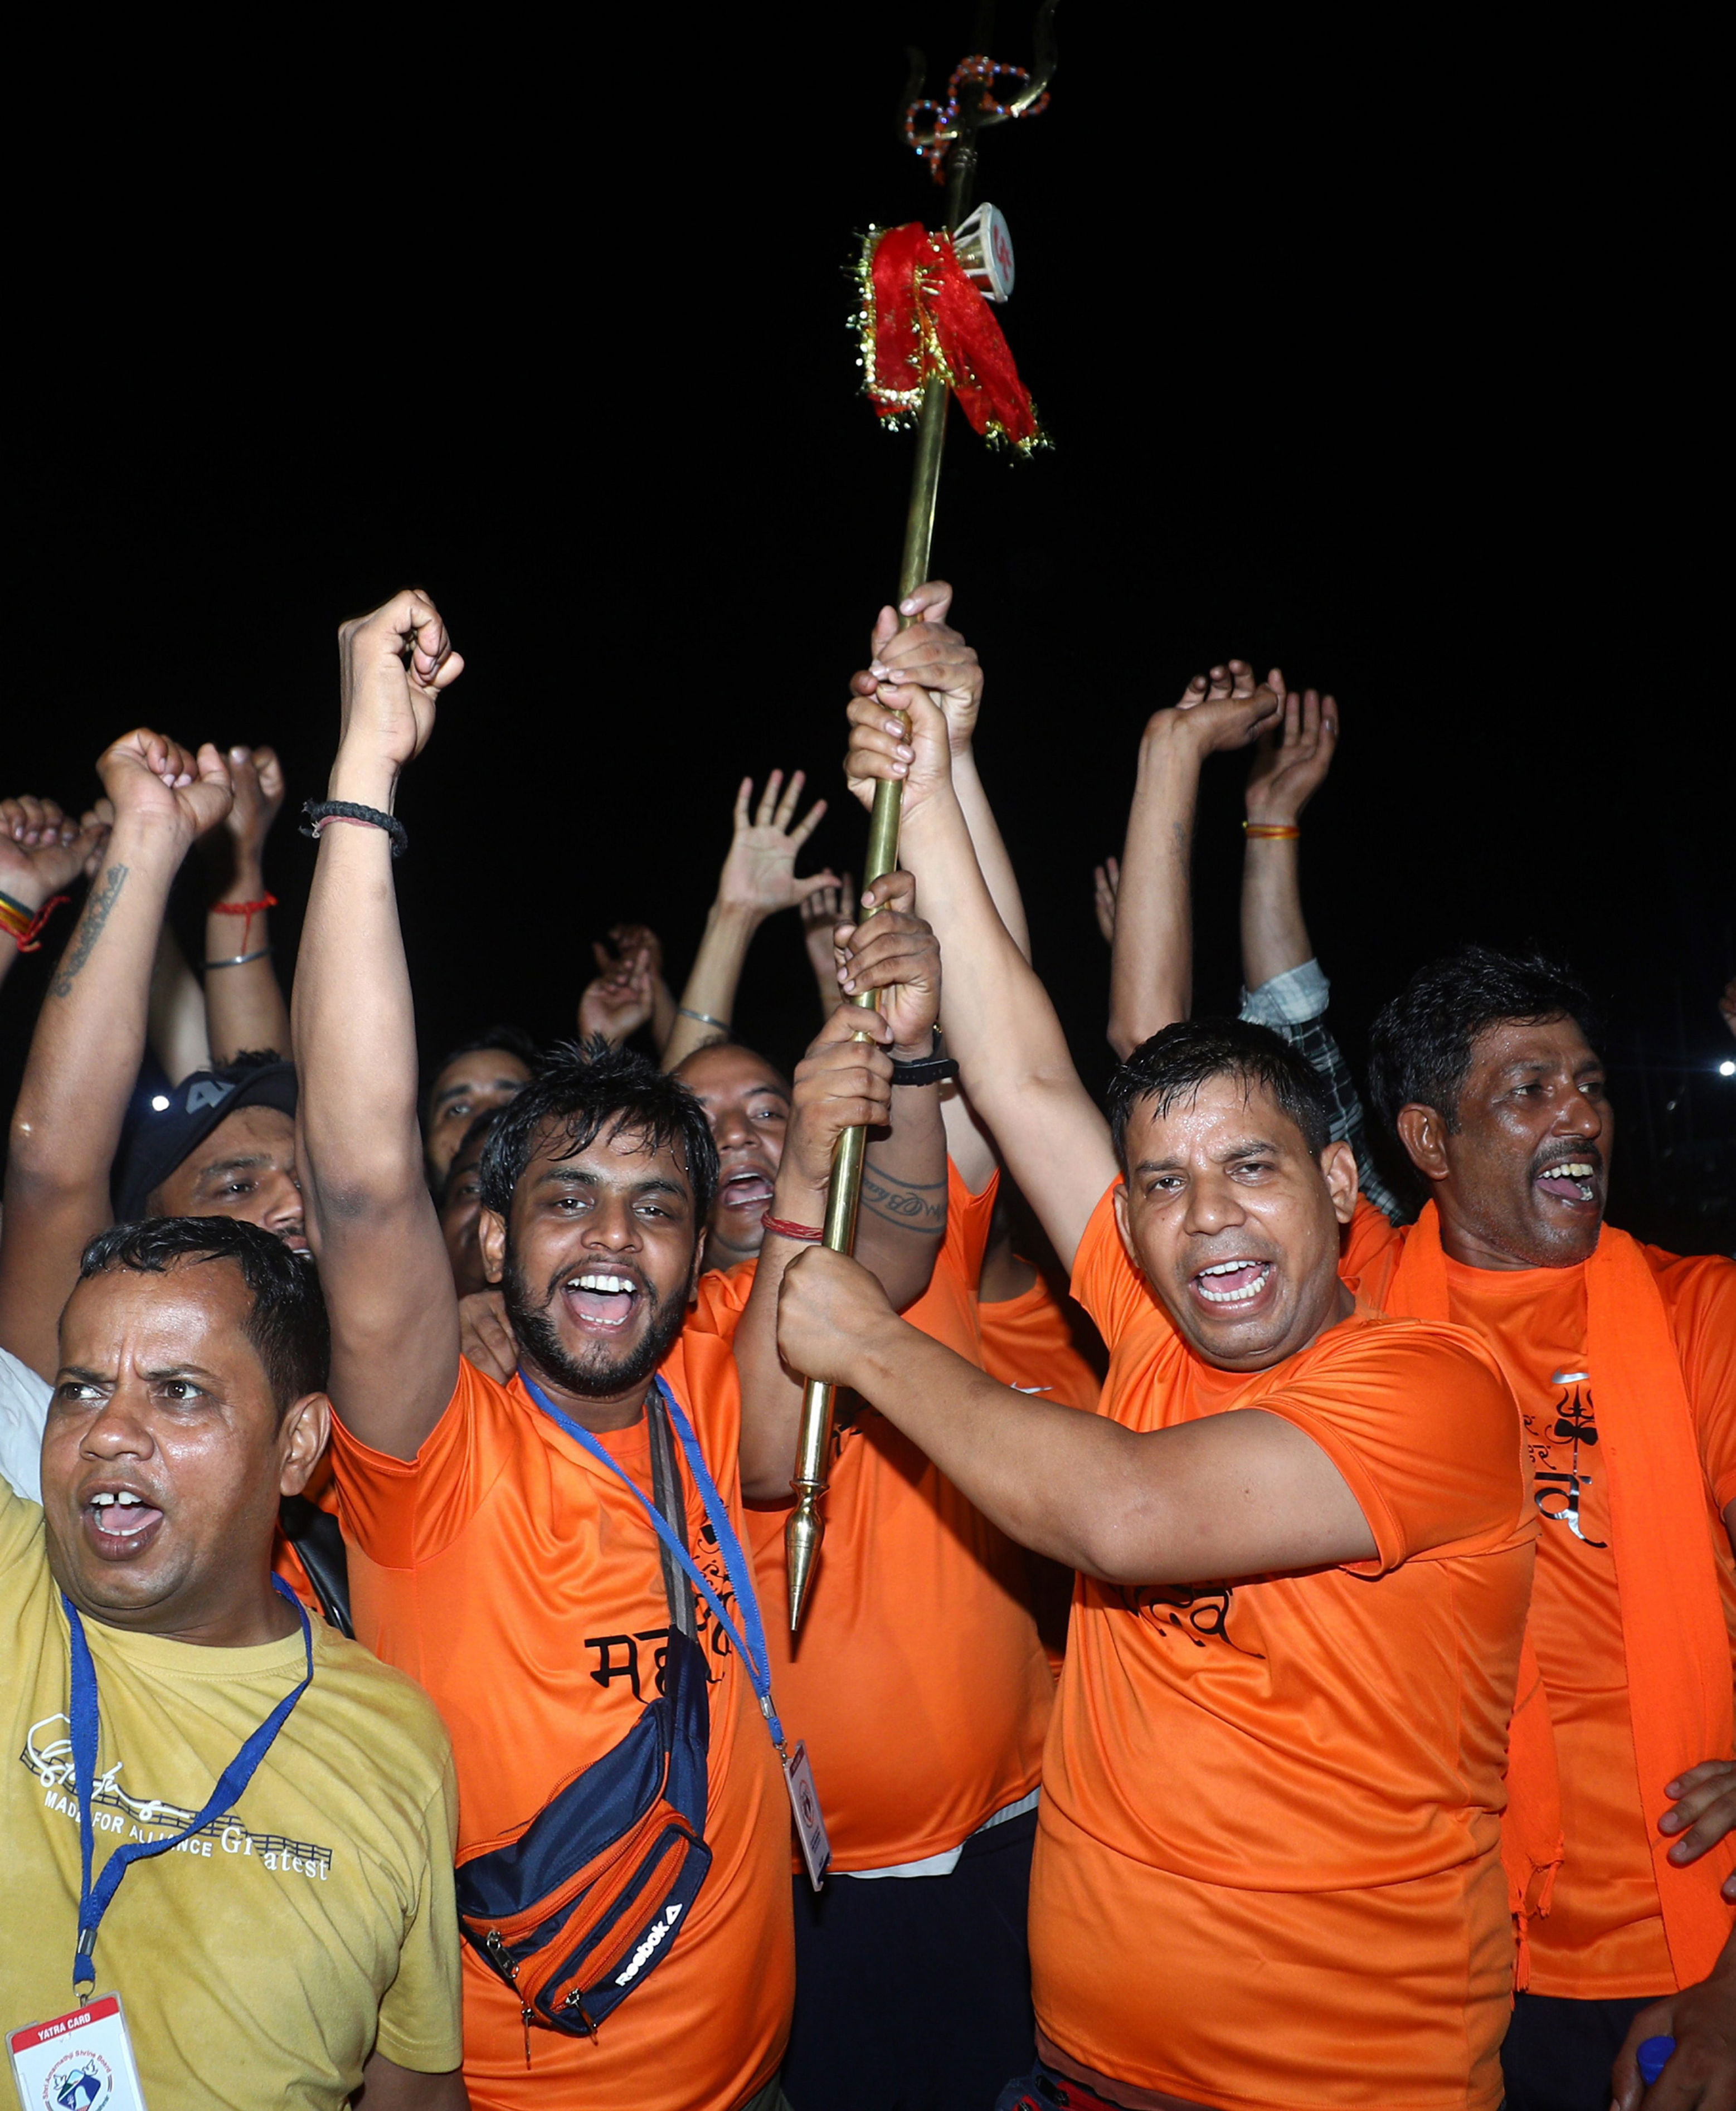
{"x": 803, "y": 1534}
{"x": 807, "y": 1529}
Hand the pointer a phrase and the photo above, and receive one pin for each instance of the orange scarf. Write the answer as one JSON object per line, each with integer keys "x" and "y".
{"x": 1673, "y": 1631}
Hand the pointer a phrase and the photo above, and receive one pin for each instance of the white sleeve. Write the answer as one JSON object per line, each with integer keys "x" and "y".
{"x": 24, "y": 1408}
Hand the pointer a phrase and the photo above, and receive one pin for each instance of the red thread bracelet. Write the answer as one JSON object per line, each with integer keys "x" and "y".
{"x": 250, "y": 910}
{"x": 26, "y": 929}
{"x": 786, "y": 1230}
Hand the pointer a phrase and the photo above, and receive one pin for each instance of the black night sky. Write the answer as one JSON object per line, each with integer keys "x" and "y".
{"x": 1371, "y": 361}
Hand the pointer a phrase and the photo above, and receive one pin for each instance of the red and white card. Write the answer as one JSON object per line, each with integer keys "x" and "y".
{"x": 82, "y": 2061}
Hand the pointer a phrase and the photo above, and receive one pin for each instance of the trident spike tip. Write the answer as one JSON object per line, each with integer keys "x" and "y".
{"x": 802, "y": 1538}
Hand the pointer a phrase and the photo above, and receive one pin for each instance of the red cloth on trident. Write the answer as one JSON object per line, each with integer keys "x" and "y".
{"x": 921, "y": 316}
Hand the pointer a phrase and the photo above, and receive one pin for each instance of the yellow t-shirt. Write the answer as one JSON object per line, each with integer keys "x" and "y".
{"x": 253, "y": 1961}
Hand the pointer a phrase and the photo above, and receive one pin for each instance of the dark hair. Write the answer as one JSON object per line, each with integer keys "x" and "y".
{"x": 1172, "y": 1065}
{"x": 1420, "y": 1046}
{"x": 512, "y": 1039}
{"x": 287, "y": 1325}
{"x": 478, "y": 1128}
{"x": 592, "y": 1090}
{"x": 244, "y": 1062}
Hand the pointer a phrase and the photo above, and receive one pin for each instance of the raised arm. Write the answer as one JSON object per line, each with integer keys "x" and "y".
{"x": 1000, "y": 1024}
{"x": 1290, "y": 765}
{"x": 840, "y": 1083}
{"x": 244, "y": 1007}
{"x": 90, "y": 1034}
{"x": 43, "y": 851}
{"x": 932, "y": 653}
{"x": 634, "y": 953}
{"x": 371, "y": 1220}
{"x": 1229, "y": 1495}
{"x": 824, "y": 910}
{"x": 621, "y": 997}
{"x": 1285, "y": 987}
{"x": 758, "y": 879}
{"x": 179, "y": 1038}
{"x": 1152, "y": 977}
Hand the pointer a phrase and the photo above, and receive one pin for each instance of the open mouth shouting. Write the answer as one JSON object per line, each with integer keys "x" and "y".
{"x": 1572, "y": 1182}
{"x": 601, "y": 1301}
{"x": 748, "y": 1190}
{"x": 119, "y": 1522}
{"x": 1236, "y": 1286}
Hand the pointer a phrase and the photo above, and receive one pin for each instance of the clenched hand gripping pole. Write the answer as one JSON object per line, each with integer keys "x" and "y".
{"x": 954, "y": 133}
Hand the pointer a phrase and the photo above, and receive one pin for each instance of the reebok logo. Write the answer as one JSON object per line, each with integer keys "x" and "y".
{"x": 647, "y": 1949}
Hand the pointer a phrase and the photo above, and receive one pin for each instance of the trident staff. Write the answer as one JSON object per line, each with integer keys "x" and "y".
{"x": 949, "y": 142}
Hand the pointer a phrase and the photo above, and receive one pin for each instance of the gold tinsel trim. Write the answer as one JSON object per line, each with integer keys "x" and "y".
{"x": 905, "y": 402}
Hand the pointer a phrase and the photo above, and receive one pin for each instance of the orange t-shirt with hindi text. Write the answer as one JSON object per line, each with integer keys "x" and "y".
{"x": 1603, "y": 1937}
{"x": 1027, "y": 1343}
{"x": 521, "y": 1584}
{"x": 1268, "y": 1867}
{"x": 918, "y": 1682}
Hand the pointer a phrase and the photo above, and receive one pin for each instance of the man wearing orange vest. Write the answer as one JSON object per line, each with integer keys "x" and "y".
{"x": 1623, "y": 1357}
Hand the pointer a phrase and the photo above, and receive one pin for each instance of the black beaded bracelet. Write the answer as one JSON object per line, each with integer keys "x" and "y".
{"x": 320, "y": 810}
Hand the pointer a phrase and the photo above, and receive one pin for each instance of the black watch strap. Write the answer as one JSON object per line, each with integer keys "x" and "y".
{"x": 931, "y": 1069}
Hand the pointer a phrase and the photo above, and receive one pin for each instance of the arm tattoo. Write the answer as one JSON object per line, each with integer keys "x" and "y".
{"x": 908, "y": 1204}
{"x": 98, "y": 911}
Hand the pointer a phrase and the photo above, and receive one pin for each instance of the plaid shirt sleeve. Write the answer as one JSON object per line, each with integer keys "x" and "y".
{"x": 1295, "y": 1005}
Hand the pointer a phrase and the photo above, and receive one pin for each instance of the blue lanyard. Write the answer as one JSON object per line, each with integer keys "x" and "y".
{"x": 751, "y": 1650}
{"x": 94, "y": 1900}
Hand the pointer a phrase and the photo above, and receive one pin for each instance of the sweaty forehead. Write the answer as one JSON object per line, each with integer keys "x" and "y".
{"x": 716, "y": 1074}
{"x": 250, "y": 1132}
{"x": 484, "y": 1071}
{"x": 194, "y": 1311}
{"x": 617, "y": 1156}
{"x": 1220, "y": 1117}
{"x": 1547, "y": 1044}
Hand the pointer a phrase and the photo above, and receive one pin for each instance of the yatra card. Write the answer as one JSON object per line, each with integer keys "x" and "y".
{"x": 82, "y": 2061}
{"x": 810, "y": 1825}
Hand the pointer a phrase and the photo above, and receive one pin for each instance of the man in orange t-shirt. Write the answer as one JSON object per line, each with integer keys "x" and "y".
{"x": 1267, "y": 1871}
{"x": 1623, "y": 1360}
{"x": 920, "y": 1615}
{"x": 502, "y": 1535}
{"x": 1030, "y": 1340}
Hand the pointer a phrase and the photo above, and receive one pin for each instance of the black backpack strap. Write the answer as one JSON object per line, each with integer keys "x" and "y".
{"x": 318, "y": 1542}
{"x": 667, "y": 1493}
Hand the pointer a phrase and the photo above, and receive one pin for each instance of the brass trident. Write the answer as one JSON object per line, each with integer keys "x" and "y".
{"x": 951, "y": 138}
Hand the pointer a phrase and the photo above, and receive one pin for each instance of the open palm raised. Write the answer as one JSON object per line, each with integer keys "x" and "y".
{"x": 759, "y": 874}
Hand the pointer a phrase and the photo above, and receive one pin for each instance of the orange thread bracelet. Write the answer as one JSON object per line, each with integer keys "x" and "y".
{"x": 784, "y": 1229}
{"x": 26, "y": 929}
{"x": 249, "y": 909}
{"x": 1269, "y": 832}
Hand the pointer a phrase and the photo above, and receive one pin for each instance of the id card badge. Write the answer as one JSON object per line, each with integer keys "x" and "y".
{"x": 82, "y": 2061}
{"x": 810, "y": 1824}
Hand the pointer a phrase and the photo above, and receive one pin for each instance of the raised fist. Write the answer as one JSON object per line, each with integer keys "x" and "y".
{"x": 395, "y": 662}
{"x": 42, "y": 850}
{"x": 154, "y": 780}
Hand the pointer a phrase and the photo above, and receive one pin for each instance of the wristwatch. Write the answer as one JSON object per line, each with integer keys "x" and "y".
{"x": 931, "y": 1069}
